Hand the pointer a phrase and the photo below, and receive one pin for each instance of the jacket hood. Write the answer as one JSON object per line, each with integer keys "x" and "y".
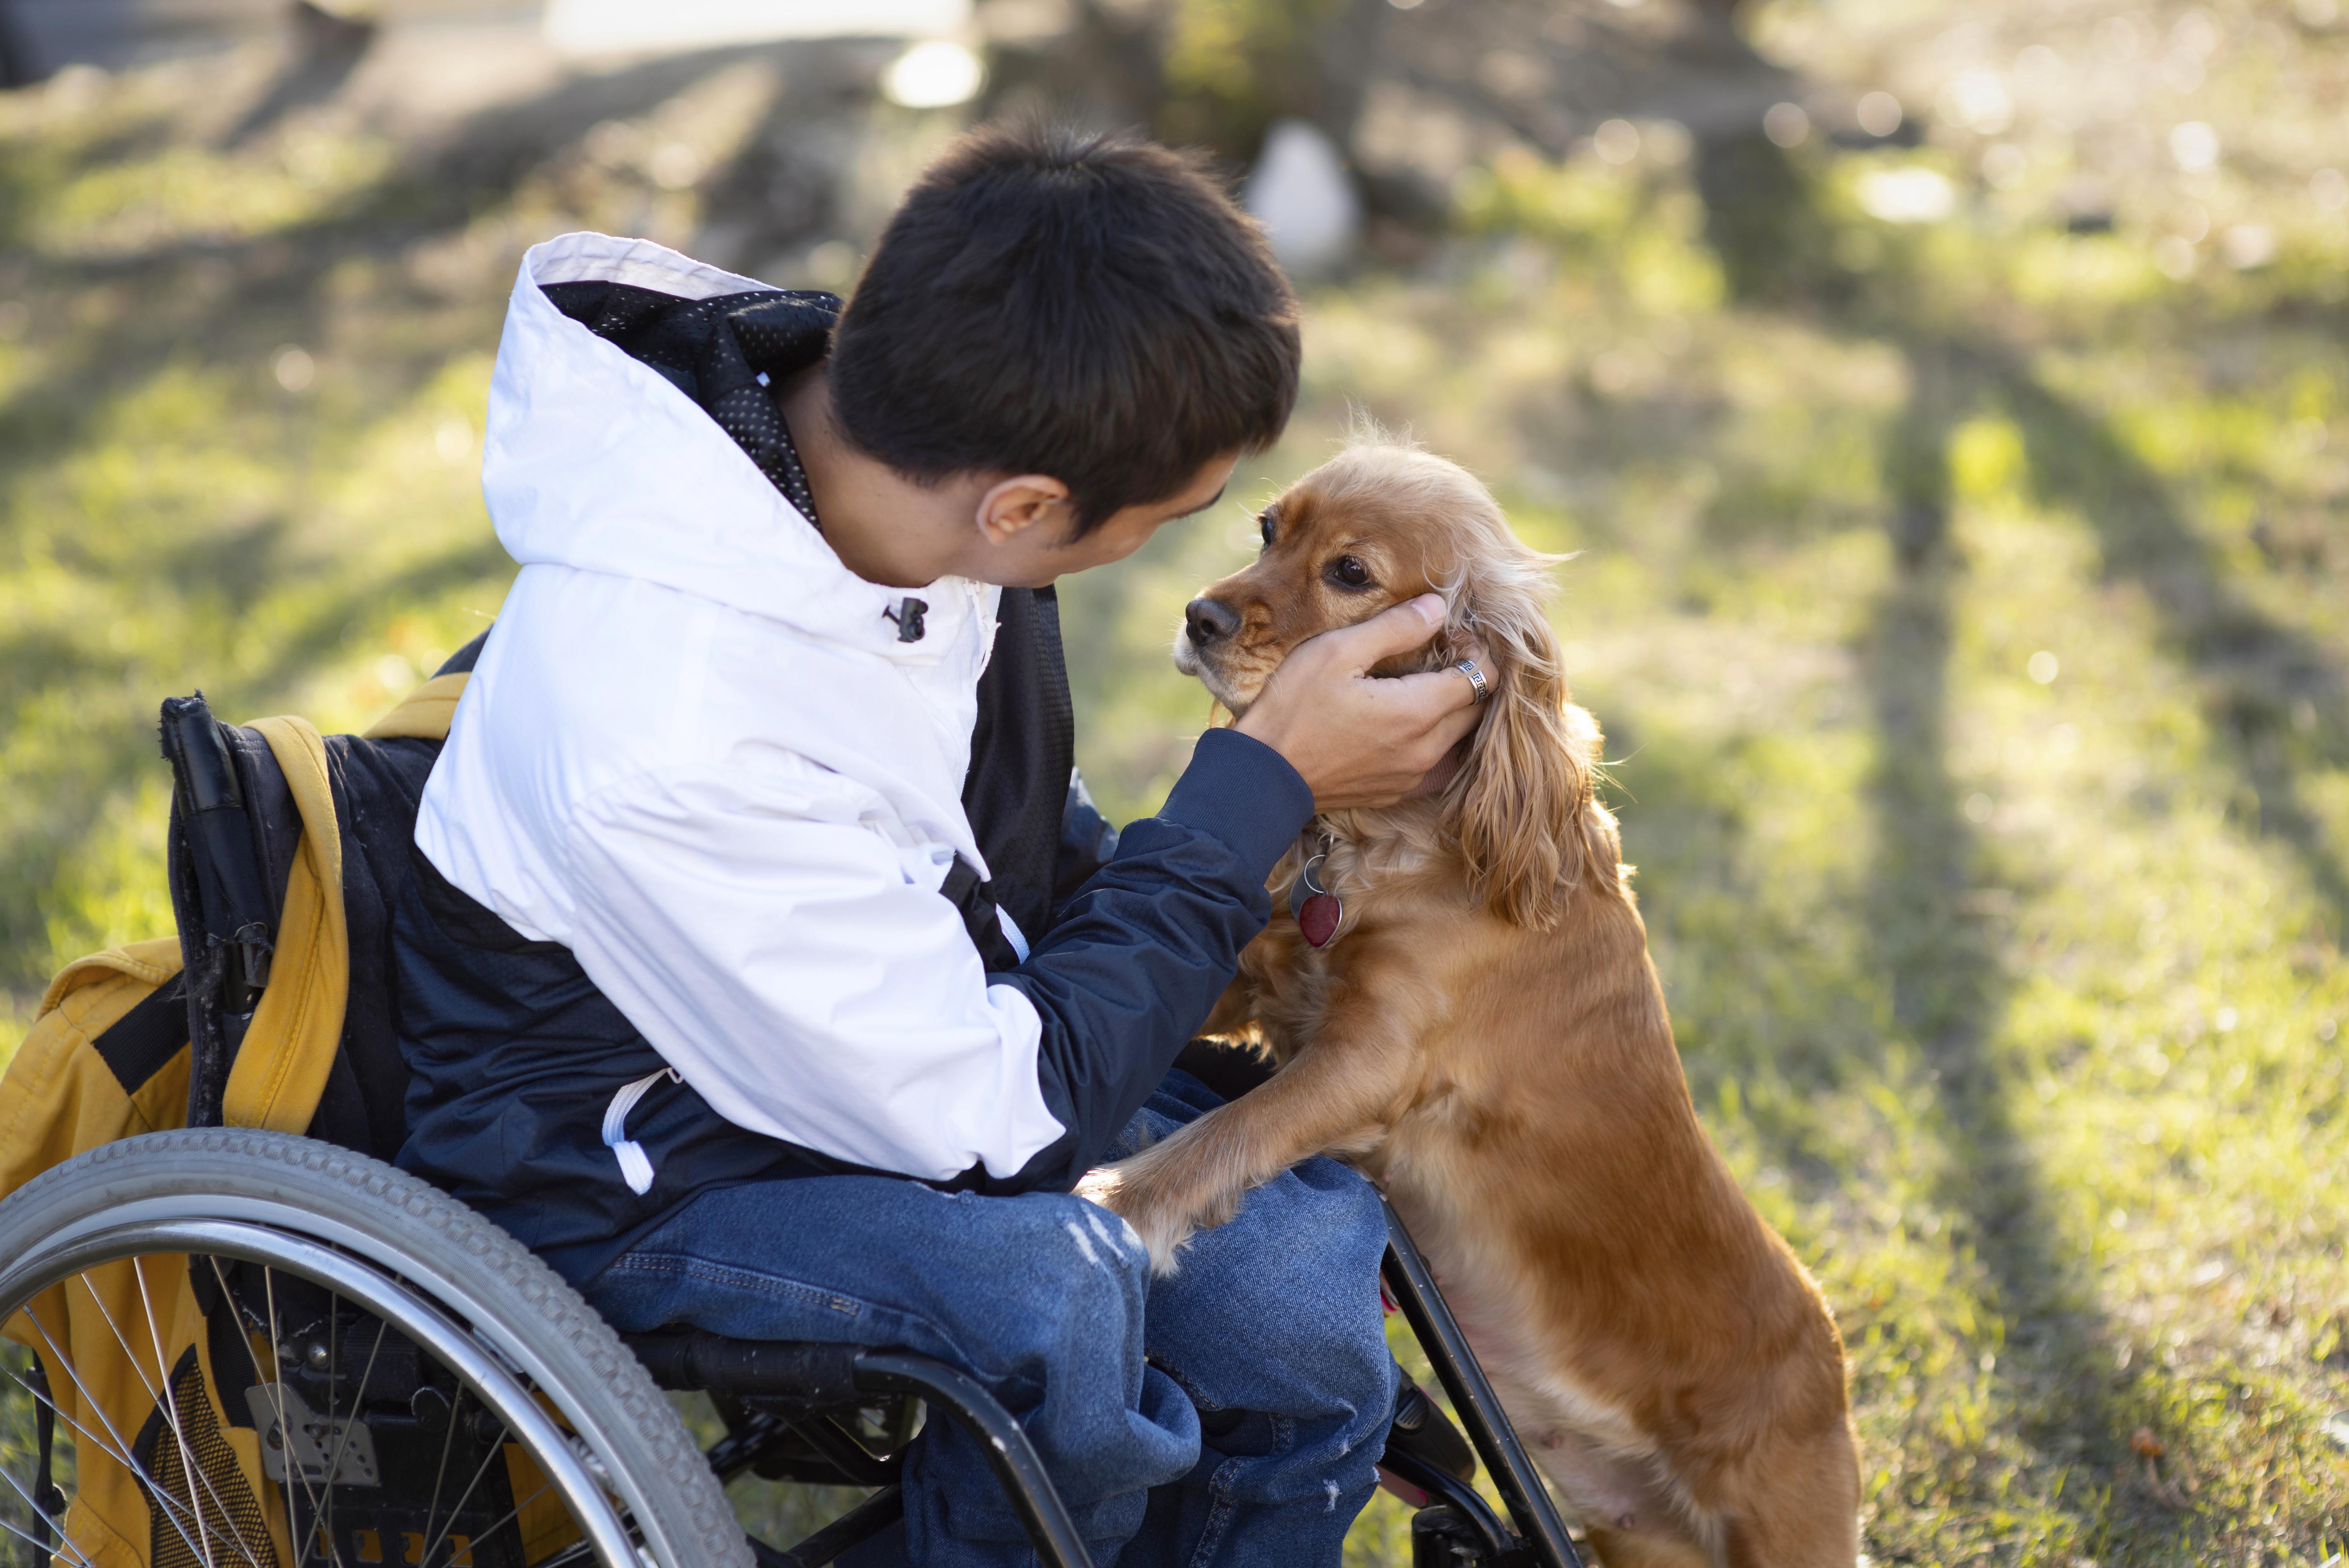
{"x": 595, "y": 462}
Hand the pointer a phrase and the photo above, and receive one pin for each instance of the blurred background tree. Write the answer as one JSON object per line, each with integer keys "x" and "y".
{"x": 1946, "y": 403}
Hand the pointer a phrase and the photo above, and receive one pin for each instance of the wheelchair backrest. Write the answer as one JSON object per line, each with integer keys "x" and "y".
{"x": 248, "y": 802}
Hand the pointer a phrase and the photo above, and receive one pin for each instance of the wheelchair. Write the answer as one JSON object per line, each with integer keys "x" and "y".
{"x": 339, "y": 1363}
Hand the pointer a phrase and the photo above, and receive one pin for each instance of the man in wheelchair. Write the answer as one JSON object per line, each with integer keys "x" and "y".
{"x": 763, "y": 965}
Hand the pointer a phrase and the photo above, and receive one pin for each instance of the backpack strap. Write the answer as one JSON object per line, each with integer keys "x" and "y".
{"x": 282, "y": 1065}
{"x": 424, "y": 714}
{"x": 288, "y": 1054}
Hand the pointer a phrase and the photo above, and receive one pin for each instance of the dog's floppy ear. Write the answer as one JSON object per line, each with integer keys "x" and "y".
{"x": 1519, "y": 808}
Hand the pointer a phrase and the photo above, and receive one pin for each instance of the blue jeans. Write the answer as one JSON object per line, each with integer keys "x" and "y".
{"x": 1231, "y": 1414}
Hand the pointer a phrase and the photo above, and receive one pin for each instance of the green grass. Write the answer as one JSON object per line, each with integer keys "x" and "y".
{"x": 2009, "y": 985}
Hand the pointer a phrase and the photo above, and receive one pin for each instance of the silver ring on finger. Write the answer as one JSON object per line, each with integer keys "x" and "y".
{"x": 1476, "y": 678}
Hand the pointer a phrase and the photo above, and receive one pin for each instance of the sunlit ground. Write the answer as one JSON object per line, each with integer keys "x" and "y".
{"x": 1968, "y": 635}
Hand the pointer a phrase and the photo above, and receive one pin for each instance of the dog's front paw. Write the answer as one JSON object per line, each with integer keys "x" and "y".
{"x": 1101, "y": 1185}
{"x": 1153, "y": 1207}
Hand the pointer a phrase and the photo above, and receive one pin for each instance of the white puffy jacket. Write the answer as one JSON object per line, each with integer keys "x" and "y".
{"x": 695, "y": 754}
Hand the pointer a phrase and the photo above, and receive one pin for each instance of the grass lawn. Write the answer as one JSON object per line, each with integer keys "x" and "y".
{"x": 1970, "y": 632}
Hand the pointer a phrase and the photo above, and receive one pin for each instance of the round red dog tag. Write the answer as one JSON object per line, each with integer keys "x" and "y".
{"x": 1317, "y": 918}
{"x": 1314, "y": 908}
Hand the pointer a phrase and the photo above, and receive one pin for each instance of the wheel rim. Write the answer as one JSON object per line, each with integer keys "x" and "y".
{"x": 479, "y": 1352}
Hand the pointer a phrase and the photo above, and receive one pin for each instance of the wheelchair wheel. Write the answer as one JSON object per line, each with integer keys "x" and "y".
{"x": 270, "y": 1340}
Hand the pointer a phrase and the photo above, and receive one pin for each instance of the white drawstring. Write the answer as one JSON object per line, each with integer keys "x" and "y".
{"x": 636, "y": 1167}
{"x": 1012, "y": 932}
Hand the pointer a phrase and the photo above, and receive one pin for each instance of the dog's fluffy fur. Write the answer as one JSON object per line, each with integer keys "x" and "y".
{"x": 1487, "y": 1038}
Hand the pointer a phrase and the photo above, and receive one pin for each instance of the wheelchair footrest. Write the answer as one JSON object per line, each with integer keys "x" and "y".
{"x": 749, "y": 1368}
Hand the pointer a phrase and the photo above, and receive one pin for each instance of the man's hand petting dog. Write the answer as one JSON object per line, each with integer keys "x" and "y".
{"x": 1360, "y": 740}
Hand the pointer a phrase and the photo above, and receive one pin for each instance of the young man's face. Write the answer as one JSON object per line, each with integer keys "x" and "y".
{"x": 1035, "y": 556}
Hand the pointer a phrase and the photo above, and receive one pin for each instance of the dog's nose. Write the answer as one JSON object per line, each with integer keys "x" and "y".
{"x": 1209, "y": 620}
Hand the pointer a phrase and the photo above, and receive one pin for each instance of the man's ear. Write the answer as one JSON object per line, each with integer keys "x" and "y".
{"x": 1010, "y": 507}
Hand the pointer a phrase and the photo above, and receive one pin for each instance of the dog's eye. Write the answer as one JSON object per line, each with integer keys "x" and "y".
{"x": 1265, "y": 522}
{"x": 1348, "y": 572}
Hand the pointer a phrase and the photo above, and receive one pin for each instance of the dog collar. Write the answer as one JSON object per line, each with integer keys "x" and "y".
{"x": 1313, "y": 907}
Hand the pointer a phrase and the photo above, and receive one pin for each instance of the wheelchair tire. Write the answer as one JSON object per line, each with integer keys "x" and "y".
{"x": 360, "y": 1235}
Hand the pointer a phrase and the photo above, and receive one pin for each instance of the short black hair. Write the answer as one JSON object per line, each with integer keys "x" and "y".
{"x": 1090, "y": 306}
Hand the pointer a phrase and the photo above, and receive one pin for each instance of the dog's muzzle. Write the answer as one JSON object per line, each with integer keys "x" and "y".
{"x": 1208, "y": 622}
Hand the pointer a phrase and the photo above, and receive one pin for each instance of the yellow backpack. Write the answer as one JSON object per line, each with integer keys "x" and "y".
{"x": 110, "y": 1056}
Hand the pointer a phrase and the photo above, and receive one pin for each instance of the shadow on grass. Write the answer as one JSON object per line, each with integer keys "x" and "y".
{"x": 206, "y": 299}
{"x": 322, "y": 50}
{"x": 1947, "y": 986}
{"x": 2274, "y": 695}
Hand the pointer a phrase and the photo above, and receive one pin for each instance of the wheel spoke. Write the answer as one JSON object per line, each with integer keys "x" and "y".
{"x": 286, "y": 1428}
{"x": 79, "y": 1430}
{"x": 343, "y": 1438}
{"x": 34, "y": 1541}
{"x": 497, "y": 1451}
{"x": 440, "y": 1470}
{"x": 333, "y": 1344}
{"x": 120, "y": 1452}
{"x": 168, "y": 1402}
{"x": 491, "y": 1531}
{"x": 265, "y": 1379}
{"x": 582, "y": 1550}
{"x": 42, "y": 1514}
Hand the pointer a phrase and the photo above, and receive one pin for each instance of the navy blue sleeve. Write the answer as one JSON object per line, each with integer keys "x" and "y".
{"x": 1087, "y": 844}
{"x": 1138, "y": 957}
